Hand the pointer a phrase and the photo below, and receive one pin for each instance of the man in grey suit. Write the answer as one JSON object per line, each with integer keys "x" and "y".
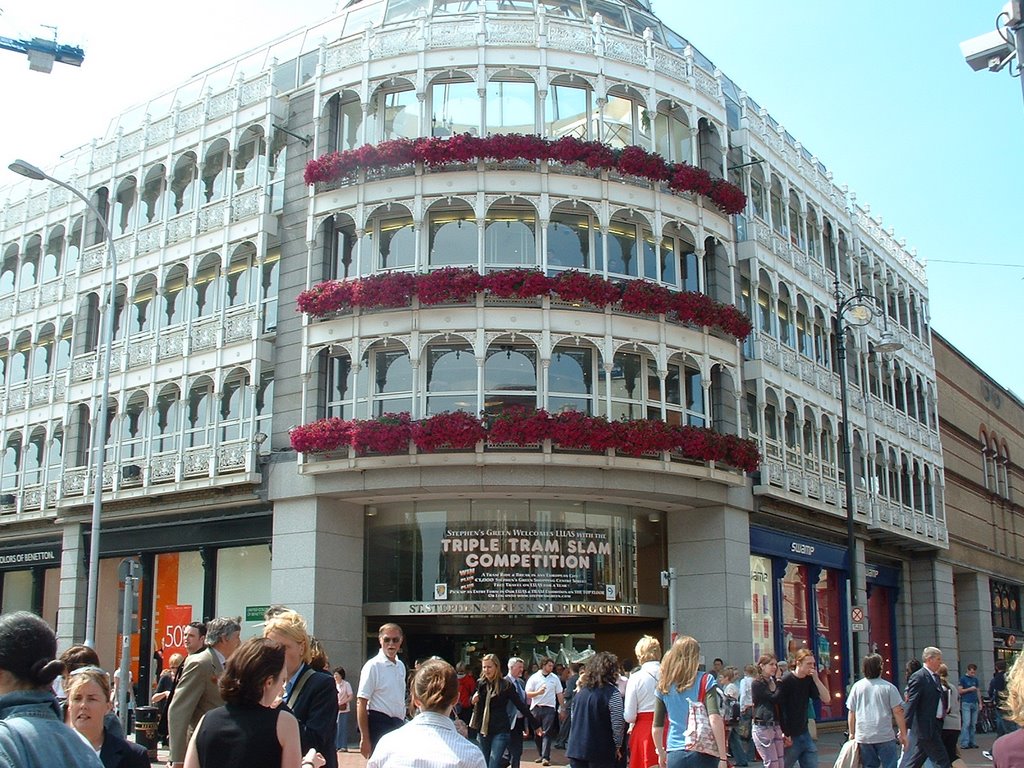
{"x": 197, "y": 692}
{"x": 926, "y": 707}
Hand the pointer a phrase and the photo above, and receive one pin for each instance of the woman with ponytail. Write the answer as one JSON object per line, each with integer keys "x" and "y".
{"x": 32, "y": 731}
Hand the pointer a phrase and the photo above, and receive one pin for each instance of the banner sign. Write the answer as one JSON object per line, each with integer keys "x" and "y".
{"x": 526, "y": 562}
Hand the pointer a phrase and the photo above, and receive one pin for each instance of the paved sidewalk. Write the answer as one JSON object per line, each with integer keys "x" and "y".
{"x": 829, "y": 744}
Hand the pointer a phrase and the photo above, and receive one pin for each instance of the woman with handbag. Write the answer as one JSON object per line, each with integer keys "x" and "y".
{"x": 491, "y": 718}
{"x": 689, "y": 698}
{"x": 766, "y": 730}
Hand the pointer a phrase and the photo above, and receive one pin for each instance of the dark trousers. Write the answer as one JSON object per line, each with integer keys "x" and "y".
{"x": 927, "y": 748}
{"x": 380, "y": 724}
{"x": 514, "y": 750}
{"x": 548, "y": 719}
{"x": 563, "y": 729}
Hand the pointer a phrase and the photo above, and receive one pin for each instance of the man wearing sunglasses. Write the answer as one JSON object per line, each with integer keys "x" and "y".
{"x": 380, "y": 700}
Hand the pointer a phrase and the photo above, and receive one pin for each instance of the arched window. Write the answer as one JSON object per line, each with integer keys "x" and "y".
{"x": 166, "y": 420}
{"x": 684, "y": 394}
{"x": 269, "y": 277}
{"x": 672, "y": 137}
{"x": 74, "y": 248}
{"x": 120, "y": 299}
{"x": 573, "y": 237}
{"x": 17, "y": 368}
{"x": 29, "y": 272}
{"x": 64, "y": 349}
{"x": 626, "y": 119}
{"x": 346, "y": 120}
{"x": 206, "y": 287}
{"x": 804, "y": 332}
{"x": 571, "y": 376}
{"x": 338, "y": 234}
{"x": 758, "y": 193}
{"x": 679, "y": 246}
{"x": 568, "y": 109}
{"x": 510, "y": 235}
{"x": 906, "y": 491}
{"x": 34, "y": 458}
{"x": 391, "y": 374}
{"x": 174, "y": 310}
{"x": 778, "y": 213}
{"x": 55, "y": 455}
{"x": 199, "y": 415}
{"x": 771, "y": 416}
{"x": 242, "y": 274}
{"x": 9, "y": 269}
{"x": 389, "y": 241}
{"x": 451, "y": 378}
{"x": 452, "y": 234}
{"x": 454, "y": 106}
{"x": 796, "y": 221}
{"x": 821, "y": 346}
{"x": 54, "y": 254}
{"x": 709, "y": 143}
{"x": 10, "y": 466}
{"x": 142, "y": 315}
{"x": 340, "y": 400}
{"x": 154, "y": 194}
{"x": 124, "y": 206}
{"x": 628, "y": 386}
{"x": 396, "y": 113}
{"x": 784, "y": 313}
{"x": 215, "y": 171}
{"x": 42, "y": 355}
{"x": 133, "y": 423}
{"x": 510, "y": 377}
{"x": 235, "y": 406}
{"x": 622, "y": 245}
{"x": 251, "y": 159}
{"x": 813, "y": 234}
{"x": 94, "y": 234}
{"x": 828, "y": 449}
{"x": 184, "y": 183}
{"x": 511, "y": 105}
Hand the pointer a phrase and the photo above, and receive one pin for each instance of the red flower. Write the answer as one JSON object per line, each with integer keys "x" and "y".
{"x": 517, "y": 283}
{"x": 572, "y": 285}
{"x": 576, "y": 430}
{"x": 450, "y": 284}
{"x": 321, "y": 436}
{"x": 693, "y": 307}
{"x": 643, "y": 297}
{"x": 329, "y": 296}
{"x": 388, "y": 434}
{"x": 387, "y": 289}
{"x": 520, "y": 426}
{"x": 639, "y": 436}
{"x": 687, "y": 178}
{"x": 456, "y": 429}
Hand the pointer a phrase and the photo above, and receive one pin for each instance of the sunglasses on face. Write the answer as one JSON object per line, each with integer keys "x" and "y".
{"x": 391, "y": 639}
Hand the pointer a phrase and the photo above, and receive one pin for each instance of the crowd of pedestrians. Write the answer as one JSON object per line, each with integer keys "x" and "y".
{"x": 270, "y": 702}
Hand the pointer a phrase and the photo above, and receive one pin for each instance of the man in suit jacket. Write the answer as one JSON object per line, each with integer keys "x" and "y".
{"x": 926, "y": 707}
{"x": 196, "y": 692}
{"x": 309, "y": 694}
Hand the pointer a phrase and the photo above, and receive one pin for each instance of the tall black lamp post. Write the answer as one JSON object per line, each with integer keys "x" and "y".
{"x": 853, "y": 310}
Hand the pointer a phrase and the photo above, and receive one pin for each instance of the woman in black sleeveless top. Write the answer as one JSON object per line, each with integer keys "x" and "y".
{"x": 249, "y": 731}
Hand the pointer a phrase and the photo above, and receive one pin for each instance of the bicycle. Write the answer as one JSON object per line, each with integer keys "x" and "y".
{"x": 988, "y": 716}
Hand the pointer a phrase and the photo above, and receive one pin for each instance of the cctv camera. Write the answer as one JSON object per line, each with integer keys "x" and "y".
{"x": 988, "y": 51}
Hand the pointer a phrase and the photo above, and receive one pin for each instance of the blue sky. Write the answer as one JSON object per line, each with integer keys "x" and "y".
{"x": 877, "y": 90}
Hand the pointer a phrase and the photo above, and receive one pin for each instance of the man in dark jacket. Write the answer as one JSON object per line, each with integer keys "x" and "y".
{"x": 309, "y": 694}
{"x": 927, "y": 704}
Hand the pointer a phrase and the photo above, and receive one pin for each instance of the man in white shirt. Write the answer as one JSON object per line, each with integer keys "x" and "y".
{"x": 544, "y": 692}
{"x": 380, "y": 699}
{"x": 873, "y": 704}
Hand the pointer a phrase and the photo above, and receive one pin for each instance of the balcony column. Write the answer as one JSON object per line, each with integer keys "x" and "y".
{"x": 974, "y": 621}
{"x": 928, "y": 610}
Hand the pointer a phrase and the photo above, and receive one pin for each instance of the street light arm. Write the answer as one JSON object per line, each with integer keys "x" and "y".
{"x": 30, "y": 171}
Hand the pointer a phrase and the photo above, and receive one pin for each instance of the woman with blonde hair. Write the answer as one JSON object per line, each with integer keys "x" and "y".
{"x": 430, "y": 737}
{"x": 951, "y": 722}
{"x": 1008, "y": 751}
{"x": 491, "y": 718}
{"x": 310, "y": 694}
{"x": 639, "y": 704}
{"x": 678, "y": 683}
{"x": 88, "y": 690}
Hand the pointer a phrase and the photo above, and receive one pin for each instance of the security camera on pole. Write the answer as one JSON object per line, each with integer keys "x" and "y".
{"x": 994, "y": 50}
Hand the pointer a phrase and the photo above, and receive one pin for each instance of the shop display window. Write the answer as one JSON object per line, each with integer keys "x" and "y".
{"x": 880, "y": 600}
{"x": 828, "y": 648}
{"x": 761, "y": 606}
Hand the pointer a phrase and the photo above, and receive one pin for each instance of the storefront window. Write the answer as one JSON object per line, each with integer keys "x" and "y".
{"x": 762, "y": 618}
{"x": 795, "y": 630}
{"x": 243, "y": 582}
{"x": 829, "y": 641}
{"x": 532, "y": 551}
{"x": 880, "y": 601}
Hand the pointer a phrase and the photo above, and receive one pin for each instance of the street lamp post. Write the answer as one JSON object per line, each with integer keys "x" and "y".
{"x": 861, "y": 308}
{"x": 100, "y": 432}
